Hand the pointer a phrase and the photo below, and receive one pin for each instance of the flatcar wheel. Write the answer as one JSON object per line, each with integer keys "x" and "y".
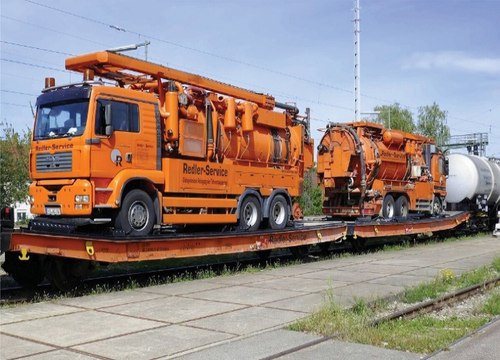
{"x": 324, "y": 247}
{"x": 358, "y": 244}
{"x": 26, "y": 273}
{"x": 388, "y": 207}
{"x": 264, "y": 254}
{"x": 402, "y": 206}
{"x": 278, "y": 213}
{"x": 300, "y": 251}
{"x": 250, "y": 214}
{"x": 67, "y": 274}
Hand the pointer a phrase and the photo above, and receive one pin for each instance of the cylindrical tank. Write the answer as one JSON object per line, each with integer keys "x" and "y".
{"x": 471, "y": 176}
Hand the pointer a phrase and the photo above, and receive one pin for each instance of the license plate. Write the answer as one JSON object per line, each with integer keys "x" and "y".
{"x": 52, "y": 211}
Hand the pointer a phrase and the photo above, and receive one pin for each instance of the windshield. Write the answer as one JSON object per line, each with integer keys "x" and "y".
{"x": 61, "y": 120}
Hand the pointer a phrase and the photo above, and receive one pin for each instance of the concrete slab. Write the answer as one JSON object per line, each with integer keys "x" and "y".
{"x": 34, "y": 311}
{"x": 174, "y": 309}
{"x": 61, "y": 355}
{"x": 375, "y": 267}
{"x": 298, "y": 283}
{"x": 333, "y": 350}
{"x": 303, "y": 303}
{"x": 253, "y": 348}
{"x": 290, "y": 270}
{"x": 349, "y": 277}
{"x": 247, "y": 321}
{"x": 368, "y": 291}
{"x": 77, "y": 328}
{"x": 241, "y": 279}
{"x": 13, "y": 347}
{"x": 398, "y": 279}
{"x": 467, "y": 264}
{"x": 101, "y": 301}
{"x": 182, "y": 288}
{"x": 153, "y": 344}
{"x": 244, "y": 295}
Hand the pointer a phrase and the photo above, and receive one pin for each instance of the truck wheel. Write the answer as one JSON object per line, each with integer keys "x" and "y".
{"x": 388, "y": 207}
{"x": 136, "y": 216}
{"x": 278, "y": 213}
{"x": 437, "y": 207}
{"x": 402, "y": 206}
{"x": 250, "y": 214}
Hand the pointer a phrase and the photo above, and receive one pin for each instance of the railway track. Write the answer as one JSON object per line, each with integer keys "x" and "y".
{"x": 408, "y": 313}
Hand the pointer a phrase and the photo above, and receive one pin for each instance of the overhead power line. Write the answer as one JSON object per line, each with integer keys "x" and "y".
{"x": 35, "y": 48}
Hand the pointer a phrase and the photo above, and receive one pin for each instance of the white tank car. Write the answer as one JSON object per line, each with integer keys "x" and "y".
{"x": 474, "y": 180}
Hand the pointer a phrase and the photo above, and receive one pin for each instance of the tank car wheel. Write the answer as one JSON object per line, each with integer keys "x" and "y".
{"x": 28, "y": 273}
{"x": 388, "y": 207}
{"x": 136, "y": 216}
{"x": 437, "y": 206}
{"x": 402, "y": 206}
{"x": 250, "y": 214}
{"x": 278, "y": 213}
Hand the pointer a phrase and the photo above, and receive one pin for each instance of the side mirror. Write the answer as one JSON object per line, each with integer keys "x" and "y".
{"x": 108, "y": 118}
{"x": 446, "y": 167}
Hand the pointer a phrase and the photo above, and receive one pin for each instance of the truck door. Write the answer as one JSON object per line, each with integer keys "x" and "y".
{"x": 112, "y": 153}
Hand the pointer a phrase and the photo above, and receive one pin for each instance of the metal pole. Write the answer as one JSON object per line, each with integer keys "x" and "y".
{"x": 357, "y": 86}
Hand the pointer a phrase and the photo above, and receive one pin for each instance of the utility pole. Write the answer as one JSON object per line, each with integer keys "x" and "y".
{"x": 357, "y": 86}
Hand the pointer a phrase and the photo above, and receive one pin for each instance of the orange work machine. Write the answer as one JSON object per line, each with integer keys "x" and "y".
{"x": 146, "y": 146}
{"x": 367, "y": 170}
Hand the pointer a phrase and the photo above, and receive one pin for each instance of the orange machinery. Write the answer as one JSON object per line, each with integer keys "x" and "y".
{"x": 161, "y": 146}
{"x": 367, "y": 170}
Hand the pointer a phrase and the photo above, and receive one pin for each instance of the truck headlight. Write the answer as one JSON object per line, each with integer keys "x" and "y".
{"x": 82, "y": 198}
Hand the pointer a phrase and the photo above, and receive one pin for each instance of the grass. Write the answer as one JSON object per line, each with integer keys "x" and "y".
{"x": 424, "y": 334}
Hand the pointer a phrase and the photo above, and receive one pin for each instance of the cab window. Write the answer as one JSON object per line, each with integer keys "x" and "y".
{"x": 125, "y": 116}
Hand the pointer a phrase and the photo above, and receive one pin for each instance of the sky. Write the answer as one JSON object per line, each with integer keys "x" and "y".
{"x": 413, "y": 52}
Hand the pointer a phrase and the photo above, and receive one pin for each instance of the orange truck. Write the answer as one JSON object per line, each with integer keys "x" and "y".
{"x": 367, "y": 170}
{"x": 138, "y": 146}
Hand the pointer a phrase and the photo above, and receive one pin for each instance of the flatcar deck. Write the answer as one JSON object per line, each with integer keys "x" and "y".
{"x": 125, "y": 249}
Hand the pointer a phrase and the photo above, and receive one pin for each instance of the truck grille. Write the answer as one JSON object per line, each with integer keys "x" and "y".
{"x": 57, "y": 162}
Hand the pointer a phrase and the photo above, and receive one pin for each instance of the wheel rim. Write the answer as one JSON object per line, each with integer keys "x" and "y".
{"x": 250, "y": 214}
{"x": 278, "y": 213}
{"x": 390, "y": 210}
{"x": 138, "y": 215}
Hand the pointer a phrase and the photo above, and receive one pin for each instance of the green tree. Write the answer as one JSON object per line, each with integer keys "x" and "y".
{"x": 432, "y": 123}
{"x": 395, "y": 117}
{"x": 14, "y": 165}
{"x": 311, "y": 201}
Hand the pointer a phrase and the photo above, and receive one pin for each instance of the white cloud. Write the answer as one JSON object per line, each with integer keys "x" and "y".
{"x": 453, "y": 60}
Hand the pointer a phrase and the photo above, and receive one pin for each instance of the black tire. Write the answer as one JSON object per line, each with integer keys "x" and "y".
{"x": 278, "y": 213}
{"x": 401, "y": 206}
{"x": 250, "y": 214}
{"x": 136, "y": 216}
{"x": 437, "y": 206}
{"x": 388, "y": 207}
